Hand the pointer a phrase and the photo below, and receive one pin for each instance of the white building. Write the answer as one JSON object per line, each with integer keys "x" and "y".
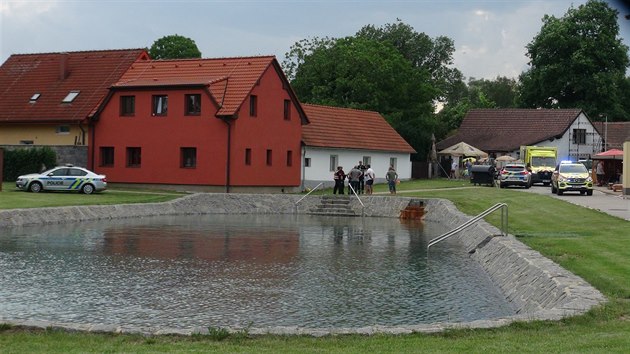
{"x": 343, "y": 137}
{"x": 504, "y": 131}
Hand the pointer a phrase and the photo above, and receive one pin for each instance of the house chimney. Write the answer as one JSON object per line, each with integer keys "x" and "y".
{"x": 63, "y": 66}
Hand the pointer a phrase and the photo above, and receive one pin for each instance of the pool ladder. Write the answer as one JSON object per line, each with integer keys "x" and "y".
{"x": 504, "y": 223}
{"x": 349, "y": 189}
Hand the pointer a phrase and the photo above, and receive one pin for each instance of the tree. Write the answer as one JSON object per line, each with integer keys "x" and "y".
{"x": 453, "y": 113}
{"x": 502, "y": 91}
{"x": 392, "y": 70}
{"x": 423, "y": 52}
{"x": 299, "y": 51}
{"x": 365, "y": 74}
{"x": 578, "y": 61}
{"x": 174, "y": 47}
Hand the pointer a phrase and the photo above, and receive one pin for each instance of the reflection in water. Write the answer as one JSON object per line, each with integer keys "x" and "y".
{"x": 223, "y": 270}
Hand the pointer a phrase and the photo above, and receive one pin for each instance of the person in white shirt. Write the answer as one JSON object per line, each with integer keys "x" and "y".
{"x": 454, "y": 167}
{"x": 369, "y": 179}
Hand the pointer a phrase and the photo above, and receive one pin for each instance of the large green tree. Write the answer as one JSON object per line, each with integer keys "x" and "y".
{"x": 501, "y": 92}
{"x": 391, "y": 69}
{"x": 433, "y": 55}
{"x": 578, "y": 61}
{"x": 174, "y": 47}
{"x": 366, "y": 74}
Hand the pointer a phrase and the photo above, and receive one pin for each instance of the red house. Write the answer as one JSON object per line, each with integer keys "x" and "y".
{"x": 48, "y": 99}
{"x": 228, "y": 124}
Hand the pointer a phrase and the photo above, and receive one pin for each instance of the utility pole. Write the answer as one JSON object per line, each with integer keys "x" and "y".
{"x": 606, "y": 134}
{"x": 605, "y": 144}
{"x": 1, "y": 167}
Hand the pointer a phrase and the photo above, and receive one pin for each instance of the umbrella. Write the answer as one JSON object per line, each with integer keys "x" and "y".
{"x": 612, "y": 154}
{"x": 471, "y": 159}
{"x": 463, "y": 149}
{"x": 506, "y": 158}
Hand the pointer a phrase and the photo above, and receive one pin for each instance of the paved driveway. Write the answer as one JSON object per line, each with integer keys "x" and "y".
{"x": 602, "y": 200}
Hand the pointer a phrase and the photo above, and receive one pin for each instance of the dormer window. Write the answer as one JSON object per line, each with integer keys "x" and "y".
{"x": 71, "y": 96}
{"x": 35, "y": 97}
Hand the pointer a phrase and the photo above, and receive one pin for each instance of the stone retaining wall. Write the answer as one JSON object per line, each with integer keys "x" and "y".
{"x": 203, "y": 203}
{"x": 538, "y": 288}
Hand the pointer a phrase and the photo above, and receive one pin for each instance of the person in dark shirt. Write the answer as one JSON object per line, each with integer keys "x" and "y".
{"x": 339, "y": 178}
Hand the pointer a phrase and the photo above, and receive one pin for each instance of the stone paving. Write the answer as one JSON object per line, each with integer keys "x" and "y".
{"x": 539, "y": 288}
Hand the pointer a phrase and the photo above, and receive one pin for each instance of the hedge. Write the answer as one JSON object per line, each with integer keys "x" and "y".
{"x": 27, "y": 160}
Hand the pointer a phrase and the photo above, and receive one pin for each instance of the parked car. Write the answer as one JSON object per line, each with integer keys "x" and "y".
{"x": 571, "y": 177}
{"x": 63, "y": 178}
{"x": 515, "y": 174}
{"x": 588, "y": 163}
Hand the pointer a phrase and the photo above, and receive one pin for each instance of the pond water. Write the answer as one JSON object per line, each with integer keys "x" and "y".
{"x": 222, "y": 270}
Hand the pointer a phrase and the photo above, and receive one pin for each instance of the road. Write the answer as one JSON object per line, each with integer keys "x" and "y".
{"x": 602, "y": 199}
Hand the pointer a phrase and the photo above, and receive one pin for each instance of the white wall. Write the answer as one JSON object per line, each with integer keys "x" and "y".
{"x": 567, "y": 150}
{"x": 319, "y": 171}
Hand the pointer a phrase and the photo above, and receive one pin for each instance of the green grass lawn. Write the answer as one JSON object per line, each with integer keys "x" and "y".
{"x": 589, "y": 243}
{"x": 13, "y": 198}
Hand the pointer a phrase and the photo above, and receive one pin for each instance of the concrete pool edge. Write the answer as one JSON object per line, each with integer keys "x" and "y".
{"x": 538, "y": 288}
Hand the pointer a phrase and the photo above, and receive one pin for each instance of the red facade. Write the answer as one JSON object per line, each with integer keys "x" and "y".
{"x": 179, "y": 122}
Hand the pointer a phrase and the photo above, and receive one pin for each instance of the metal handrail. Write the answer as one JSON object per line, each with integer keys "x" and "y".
{"x": 312, "y": 190}
{"x": 356, "y": 195}
{"x": 504, "y": 223}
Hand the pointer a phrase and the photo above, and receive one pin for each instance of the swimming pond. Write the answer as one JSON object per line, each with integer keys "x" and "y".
{"x": 236, "y": 270}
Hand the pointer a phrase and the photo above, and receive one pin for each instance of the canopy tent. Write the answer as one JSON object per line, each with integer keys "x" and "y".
{"x": 612, "y": 154}
{"x": 506, "y": 158}
{"x": 463, "y": 149}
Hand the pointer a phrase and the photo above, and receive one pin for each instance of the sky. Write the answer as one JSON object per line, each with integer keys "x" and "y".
{"x": 489, "y": 35}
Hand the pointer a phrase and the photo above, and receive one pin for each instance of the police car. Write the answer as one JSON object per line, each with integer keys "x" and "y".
{"x": 571, "y": 177}
{"x": 63, "y": 178}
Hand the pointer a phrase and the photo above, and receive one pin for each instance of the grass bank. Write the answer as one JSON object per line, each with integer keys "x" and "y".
{"x": 589, "y": 243}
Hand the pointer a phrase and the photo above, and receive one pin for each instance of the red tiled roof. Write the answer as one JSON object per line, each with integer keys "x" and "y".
{"x": 238, "y": 74}
{"x": 90, "y": 72}
{"x": 335, "y": 127}
{"x": 616, "y": 134}
{"x": 508, "y": 129}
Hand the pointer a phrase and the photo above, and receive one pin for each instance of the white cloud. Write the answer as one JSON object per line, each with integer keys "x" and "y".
{"x": 25, "y": 10}
{"x": 489, "y": 36}
{"x": 494, "y": 40}
{"x": 485, "y": 15}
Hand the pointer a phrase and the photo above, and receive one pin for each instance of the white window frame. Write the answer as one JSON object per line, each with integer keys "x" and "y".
{"x": 62, "y": 130}
{"x": 393, "y": 161}
{"x": 334, "y": 162}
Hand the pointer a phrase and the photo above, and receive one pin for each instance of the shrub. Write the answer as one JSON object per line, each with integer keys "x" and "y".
{"x": 218, "y": 333}
{"x": 27, "y": 160}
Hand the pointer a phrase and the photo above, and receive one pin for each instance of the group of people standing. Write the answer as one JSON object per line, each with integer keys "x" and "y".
{"x": 361, "y": 179}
